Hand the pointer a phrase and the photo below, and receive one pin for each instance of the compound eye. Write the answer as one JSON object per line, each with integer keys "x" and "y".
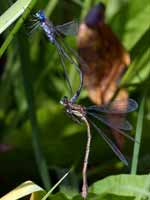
{"x": 65, "y": 99}
{"x": 40, "y": 15}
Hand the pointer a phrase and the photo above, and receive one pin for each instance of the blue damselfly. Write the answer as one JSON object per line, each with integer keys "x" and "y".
{"x": 55, "y": 36}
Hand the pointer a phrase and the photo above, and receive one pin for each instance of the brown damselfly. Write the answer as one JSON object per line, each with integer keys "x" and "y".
{"x": 85, "y": 114}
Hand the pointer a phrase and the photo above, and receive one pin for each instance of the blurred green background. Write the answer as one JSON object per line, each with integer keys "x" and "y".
{"x": 36, "y": 137}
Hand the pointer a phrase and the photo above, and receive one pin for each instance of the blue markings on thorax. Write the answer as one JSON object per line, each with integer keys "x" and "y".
{"x": 49, "y": 31}
{"x": 47, "y": 27}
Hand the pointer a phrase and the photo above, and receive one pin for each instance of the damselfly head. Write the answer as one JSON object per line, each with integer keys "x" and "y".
{"x": 40, "y": 16}
{"x": 64, "y": 101}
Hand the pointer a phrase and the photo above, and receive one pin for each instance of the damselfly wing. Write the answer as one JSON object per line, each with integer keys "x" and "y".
{"x": 69, "y": 28}
{"x": 111, "y": 144}
{"x": 122, "y": 106}
{"x": 98, "y": 113}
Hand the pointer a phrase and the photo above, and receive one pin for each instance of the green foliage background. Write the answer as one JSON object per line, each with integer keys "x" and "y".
{"x": 42, "y": 139}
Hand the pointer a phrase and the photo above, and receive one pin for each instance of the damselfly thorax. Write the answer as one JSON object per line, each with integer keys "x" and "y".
{"x": 49, "y": 30}
{"x": 73, "y": 109}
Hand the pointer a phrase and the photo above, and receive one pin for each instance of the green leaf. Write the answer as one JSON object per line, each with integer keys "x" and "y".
{"x": 139, "y": 69}
{"x": 122, "y": 185}
{"x": 12, "y": 13}
{"x": 137, "y": 23}
{"x": 58, "y": 196}
{"x": 37, "y": 195}
{"x": 16, "y": 27}
{"x": 30, "y": 100}
{"x": 22, "y": 190}
{"x": 138, "y": 135}
{"x": 131, "y": 21}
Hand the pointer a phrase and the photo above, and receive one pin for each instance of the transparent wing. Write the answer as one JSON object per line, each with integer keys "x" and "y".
{"x": 71, "y": 53}
{"x": 62, "y": 57}
{"x": 116, "y": 107}
{"x": 109, "y": 124}
{"x": 73, "y": 58}
{"x": 116, "y": 121}
{"x": 69, "y": 28}
{"x": 79, "y": 59}
{"x": 110, "y": 143}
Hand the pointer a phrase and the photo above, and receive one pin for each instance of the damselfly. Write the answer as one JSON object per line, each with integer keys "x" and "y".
{"x": 81, "y": 113}
{"x": 54, "y": 35}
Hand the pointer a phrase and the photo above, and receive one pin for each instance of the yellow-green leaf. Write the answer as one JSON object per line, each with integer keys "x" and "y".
{"x": 22, "y": 190}
{"x": 12, "y": 13}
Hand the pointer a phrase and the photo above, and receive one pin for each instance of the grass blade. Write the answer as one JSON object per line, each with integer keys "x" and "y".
{"x": 26, "y": 65}
{"x": 12, "y": 13}
{"x": 56, "y": 185}
{"x": 138, "y": 137}
{"x": 16, "y": 28}
{"x": 50, "y": 7}
{"x": 85, "y": 8}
